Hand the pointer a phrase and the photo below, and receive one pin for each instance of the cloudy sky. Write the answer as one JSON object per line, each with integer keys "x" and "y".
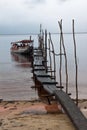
{"x": 25, "y": 16}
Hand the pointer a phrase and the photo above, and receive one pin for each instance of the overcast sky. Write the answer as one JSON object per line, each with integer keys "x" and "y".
{"x": 25, "y": 16}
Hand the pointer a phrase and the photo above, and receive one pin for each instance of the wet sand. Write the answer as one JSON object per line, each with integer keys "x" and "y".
{"x": 33, "y": 115}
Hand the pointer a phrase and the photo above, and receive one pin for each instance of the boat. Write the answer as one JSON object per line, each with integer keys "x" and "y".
{"x": 22, "y": 47}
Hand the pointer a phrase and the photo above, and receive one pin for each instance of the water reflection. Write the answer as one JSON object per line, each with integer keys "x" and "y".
{"x": 25, "y": 61}
{"x": 21, "y": 60}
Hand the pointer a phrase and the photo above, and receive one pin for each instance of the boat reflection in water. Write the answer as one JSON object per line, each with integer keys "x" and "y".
{"x": 21, "y": 60}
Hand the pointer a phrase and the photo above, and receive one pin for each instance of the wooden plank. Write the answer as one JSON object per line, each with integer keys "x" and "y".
{"x": 37, "y": 54}
{"x": 38, "y": 61}
{"x": 72, "y": 110}
{"x": 46, "y": 80}
{"x": 38, "y": 50}
{"x": 38, "y": 58}
{"x": 41, "y": 74}
{"x": 36, "y": 68}
{"x": 50, "y": 88}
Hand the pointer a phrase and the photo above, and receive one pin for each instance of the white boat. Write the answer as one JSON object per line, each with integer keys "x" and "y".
{"x": 22, "y": 47}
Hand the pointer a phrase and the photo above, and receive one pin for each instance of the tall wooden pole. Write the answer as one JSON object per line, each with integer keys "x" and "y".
{"x": 64, "y": 50}
{"x": 46, "y": 49}
{"x": 60, "y": 69}
{"x": 53, "y": 51}
{"x": 76, "y": 65}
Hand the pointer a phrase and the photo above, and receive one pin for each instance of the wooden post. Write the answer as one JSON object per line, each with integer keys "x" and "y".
{"x": 62, "y": 45}
{"x": 53, "y": 56}
{"x": 46, "y": 49}
{"x": 60, "y": 69}
{"x": 76, "y": 65}
{"x": 40, "y": 28}
{"x": 50, "y": 57}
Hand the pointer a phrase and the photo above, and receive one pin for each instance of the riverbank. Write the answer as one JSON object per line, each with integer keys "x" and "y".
{"x": 33, "y": 115}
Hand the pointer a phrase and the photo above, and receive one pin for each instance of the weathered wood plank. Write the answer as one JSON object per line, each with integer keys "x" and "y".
{"x": 38, "y": 58}
{"x": 41, "y": 74}
{"x": 38, "y": 61}
{"x": 36, "y": 68}
{"x": 37, "y": 50}
{"x": 50, "y": 88}
{"x": 72, "y": 110}
{"x": 37, "y": 54}
{"x": 46, "y": 80}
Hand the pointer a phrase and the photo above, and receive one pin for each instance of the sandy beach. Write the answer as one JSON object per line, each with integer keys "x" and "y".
{"x": 33, "y": 115}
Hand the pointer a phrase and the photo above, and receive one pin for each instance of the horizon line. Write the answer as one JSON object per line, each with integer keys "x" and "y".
{"x": 38, "y": 33}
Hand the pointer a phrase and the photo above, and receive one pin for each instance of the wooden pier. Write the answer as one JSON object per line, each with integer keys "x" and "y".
{"x": 40, "y": 73}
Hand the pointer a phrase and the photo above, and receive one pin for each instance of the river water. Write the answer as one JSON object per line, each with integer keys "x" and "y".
{"x": 16, "y": 72}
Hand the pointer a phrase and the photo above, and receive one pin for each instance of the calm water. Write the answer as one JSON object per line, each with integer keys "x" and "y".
{"x": 15, "y": 71}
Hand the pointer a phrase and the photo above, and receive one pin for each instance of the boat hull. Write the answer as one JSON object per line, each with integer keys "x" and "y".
{"x": 25, "y": 50}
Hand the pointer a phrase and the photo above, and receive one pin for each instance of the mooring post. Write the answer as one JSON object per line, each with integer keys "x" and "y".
{"x": 76, "y": 65}
{"x": 46, "y": 50}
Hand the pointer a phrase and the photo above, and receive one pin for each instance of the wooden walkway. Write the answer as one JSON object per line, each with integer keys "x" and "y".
{"x": 72, "y": 110}
{"x": 39, "y": 72}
